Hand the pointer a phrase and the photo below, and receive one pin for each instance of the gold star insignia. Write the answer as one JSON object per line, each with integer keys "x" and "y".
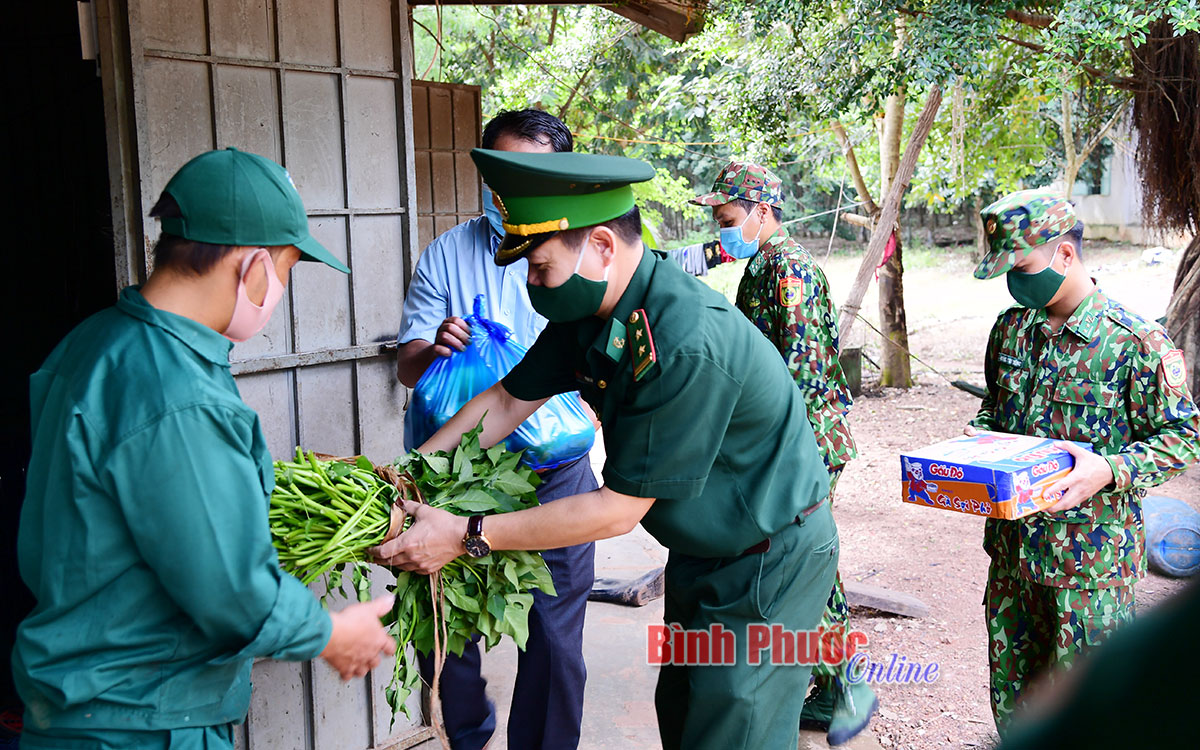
{"x": 641, "y": 350}
{"x": 637, "y": 333}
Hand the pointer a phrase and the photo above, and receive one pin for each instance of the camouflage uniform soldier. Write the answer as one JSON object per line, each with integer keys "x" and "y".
{"x": 785, "y": 294}
{"x": 1070, "y": 363}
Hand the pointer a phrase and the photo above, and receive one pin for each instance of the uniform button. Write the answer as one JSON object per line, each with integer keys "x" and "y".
{"x": 602, "y": 385}
{"x": 634, "y": 318}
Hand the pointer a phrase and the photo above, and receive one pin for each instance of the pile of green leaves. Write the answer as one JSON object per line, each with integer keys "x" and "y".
{"x": 327, "y": 514}
{"x": 490, "y": 596}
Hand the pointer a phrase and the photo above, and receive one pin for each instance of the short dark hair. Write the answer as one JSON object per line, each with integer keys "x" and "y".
{"x": 529, "y": 124}
{"x": 179, "y": 254}
{"x": 1076, "y": 235}
{"x": 627, "y": 226}
{"x": 776, "y": 211}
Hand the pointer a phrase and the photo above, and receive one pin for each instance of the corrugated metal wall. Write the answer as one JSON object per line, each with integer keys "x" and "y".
{"x": 446, "y": 126}
{"x": 322, "y": 86}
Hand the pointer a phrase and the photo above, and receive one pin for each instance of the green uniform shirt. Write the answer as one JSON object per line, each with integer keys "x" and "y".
{"x": 714, "y": 428}
{"x": 785, "y": 294}
{"x": 1107, "y": 378}
{"x": 144, "y": 533}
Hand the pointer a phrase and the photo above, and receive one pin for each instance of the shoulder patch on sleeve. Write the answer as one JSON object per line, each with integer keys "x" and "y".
{"x": 1174, "y": 369}
{"x": 791, "y": 291}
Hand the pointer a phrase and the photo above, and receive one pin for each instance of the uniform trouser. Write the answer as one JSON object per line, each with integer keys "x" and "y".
{"x": 188, "y": 738}
{"x": 836, "y": 617}
{"x": 547, "y": 702}
{"x": 1035, "y": 629}
{"x": 744, "y": 705}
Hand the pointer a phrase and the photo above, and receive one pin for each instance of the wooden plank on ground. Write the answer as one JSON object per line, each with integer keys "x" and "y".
{"x": 885, "y": 600}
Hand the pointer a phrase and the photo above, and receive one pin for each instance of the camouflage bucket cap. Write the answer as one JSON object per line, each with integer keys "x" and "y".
{"x": 1020, "y": 222}
{"x": 741, "y": 179}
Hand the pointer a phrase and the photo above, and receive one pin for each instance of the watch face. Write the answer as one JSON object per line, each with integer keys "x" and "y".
{"x": 477, "y": 546}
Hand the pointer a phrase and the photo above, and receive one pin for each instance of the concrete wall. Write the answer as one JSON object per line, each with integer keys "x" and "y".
{"x": 1116, "y": 214}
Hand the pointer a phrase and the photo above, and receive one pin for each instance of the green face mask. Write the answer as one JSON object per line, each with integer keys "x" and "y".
{"x": 1035, "y": 290}
{"x": 574, "y": 299}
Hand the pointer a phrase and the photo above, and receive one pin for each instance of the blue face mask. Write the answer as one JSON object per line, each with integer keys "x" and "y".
{"x": 737, "y": 245}
{"x": 492, "y": 212}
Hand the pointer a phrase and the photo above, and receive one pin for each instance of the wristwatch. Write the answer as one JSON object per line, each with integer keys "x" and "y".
{"x": 476, "y": 543}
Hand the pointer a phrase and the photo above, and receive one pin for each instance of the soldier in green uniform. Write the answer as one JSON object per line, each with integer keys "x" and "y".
{"x": 1068, "y": 362}
{"x": 785, "y": 294}
{"x": 144, "y": 532}
{"x": 707, "y": 442}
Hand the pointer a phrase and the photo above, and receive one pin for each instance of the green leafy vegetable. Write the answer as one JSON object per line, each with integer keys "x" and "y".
{"x": 490, "y": 596}
{"x": 326, "y": 515}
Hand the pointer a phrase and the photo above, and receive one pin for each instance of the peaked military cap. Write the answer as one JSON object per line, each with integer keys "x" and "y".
{"x": 1019, "y": 223}
{"x": 745, "y": 181}
{"x": 541, "y": 194}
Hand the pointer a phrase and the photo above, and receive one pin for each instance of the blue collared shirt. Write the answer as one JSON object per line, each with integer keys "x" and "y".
{"x": 455, "y": 267}
{"x": 458, "y": 265}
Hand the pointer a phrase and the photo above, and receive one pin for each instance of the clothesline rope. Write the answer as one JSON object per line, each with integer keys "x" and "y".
{"x": 888, "y": 340}
{"x": 663, "y": 142}
{"x": 846, "y": 207}
{"x": 830, "y": 211}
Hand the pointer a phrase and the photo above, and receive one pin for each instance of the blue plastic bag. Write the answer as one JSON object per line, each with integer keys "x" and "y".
{"x": 555, "y": 434}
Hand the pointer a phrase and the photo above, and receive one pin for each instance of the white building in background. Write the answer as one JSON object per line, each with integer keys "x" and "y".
{"x": 1112, "y": 208}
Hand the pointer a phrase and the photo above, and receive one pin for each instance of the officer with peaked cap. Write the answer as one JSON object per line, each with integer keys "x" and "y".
{"x": 1068, "y": 362}
{"x": 786, "y": 295}
{"x": 144, "y": 531}
{"x": 706, "y": 437}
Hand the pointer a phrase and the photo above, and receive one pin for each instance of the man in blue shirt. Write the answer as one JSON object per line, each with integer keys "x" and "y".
{"x": 547, "y": 704}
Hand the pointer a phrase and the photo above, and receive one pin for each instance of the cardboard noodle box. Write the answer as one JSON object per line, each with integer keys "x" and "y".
{"x": 990, "y": 474}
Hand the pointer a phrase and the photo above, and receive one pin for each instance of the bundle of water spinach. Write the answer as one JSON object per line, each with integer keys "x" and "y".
{"x": 489, "y": 596}
{"x": 326, "y": 515}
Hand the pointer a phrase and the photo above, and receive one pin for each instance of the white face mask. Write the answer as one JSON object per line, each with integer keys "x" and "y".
{"x": 249, "y": 318}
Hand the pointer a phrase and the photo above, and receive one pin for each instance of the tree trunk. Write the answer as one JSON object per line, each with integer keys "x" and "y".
{"x": 860, "y": 186}
{"x": 1071, "y": 168}
{"x": 895, "y": 366}
{"x": 889, "y": 211}
{"x": 1183, "y": 314}
{"x": 981, "y": 241}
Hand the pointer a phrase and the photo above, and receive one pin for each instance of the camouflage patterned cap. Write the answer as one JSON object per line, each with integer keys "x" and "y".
{"x": 741, "y": 179}
{"x": 1020, "y": 222}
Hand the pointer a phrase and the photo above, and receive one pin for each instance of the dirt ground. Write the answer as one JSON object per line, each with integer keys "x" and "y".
{"x": 934, "y": 554}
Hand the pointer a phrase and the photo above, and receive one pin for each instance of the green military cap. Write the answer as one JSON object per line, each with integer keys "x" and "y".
{"x": 1020, "y": 222}
{"x": 231, "y": 197}
{"x": 541, "y": 194}
{"x": 746, "y": 181}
